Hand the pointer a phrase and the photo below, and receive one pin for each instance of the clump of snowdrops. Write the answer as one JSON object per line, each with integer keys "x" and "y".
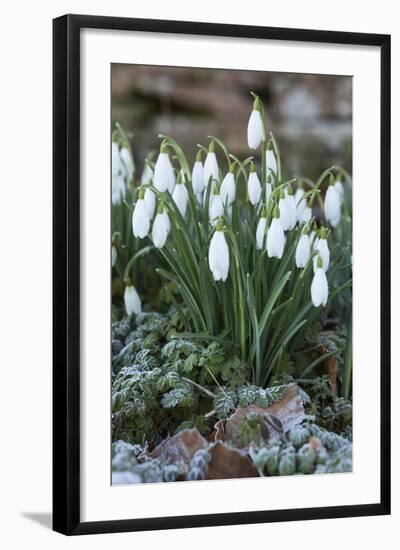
{"x": 248, "y": 260}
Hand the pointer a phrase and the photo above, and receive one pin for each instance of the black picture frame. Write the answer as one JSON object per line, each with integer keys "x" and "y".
{"x": 66, "y": 273}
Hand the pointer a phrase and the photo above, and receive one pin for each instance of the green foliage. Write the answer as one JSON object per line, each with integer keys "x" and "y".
{"x": 224, "y": 402}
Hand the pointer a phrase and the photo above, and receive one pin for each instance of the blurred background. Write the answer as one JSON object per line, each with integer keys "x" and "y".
{"x": 310, "y": 115}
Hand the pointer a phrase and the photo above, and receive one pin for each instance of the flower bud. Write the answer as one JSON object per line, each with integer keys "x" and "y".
{"x": 132, "y": 301}
{"x": 253, "y": 186}
{"x": 218, "y": 255}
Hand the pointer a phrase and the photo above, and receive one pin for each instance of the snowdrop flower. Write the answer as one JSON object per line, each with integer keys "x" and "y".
{"x": 118, "y": 189}
{"x": 115, "y": 159}
{"x": 301, "y": 204}
{"x": 210, "y": 166}
{"x": 228, "y": 188}
{"x": 303, "y": 249}
{"x": 114, "y": 255}
{"x": 272, "y": 166}
{"x": 127, "y": 163}
{"x": 332, "y": 205}
{"x": 150, "y": 201}
{"x": 253, "y": 186}
{"x": 340, "y": 189}
{"x": 132, "y": 301}
{"x": 197, "y": 175}
{"x": 291, "y": 205}
{"x": 161, "y": 227}
{"x": 319, "y": 286}
{"x": 323, "y": 250}
{"x": 285, "y": 214}
{"x": 140, "y": 217}
{"x": 255, "y": 127}
{"x": 216, "y": 208}
{"x": 268, "y": 191}
{"x": 261, "y": 226}
{"x": 275, "y": 236}
{"x": 218, "y": 254}
{"x": 307, "y": 213}
{"x": 164, "y": 177}
{"x": 180, "y": 196}
{"x": 147, "y": 175}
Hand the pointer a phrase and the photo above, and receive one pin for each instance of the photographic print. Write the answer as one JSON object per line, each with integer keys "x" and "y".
{"x": 231, "y": 258}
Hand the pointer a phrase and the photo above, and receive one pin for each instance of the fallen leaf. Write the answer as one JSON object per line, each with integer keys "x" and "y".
{"x": 178, "y": 448}
{"x": 333, "y": 369}
{"x": 228, "y": 463}
{"x": 289, "y": 410}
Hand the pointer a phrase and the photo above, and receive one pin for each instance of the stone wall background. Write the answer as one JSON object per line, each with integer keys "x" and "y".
{"x": 310, "y": 115}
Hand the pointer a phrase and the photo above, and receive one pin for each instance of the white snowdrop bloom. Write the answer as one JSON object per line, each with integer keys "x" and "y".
{"x": 180, "y": 196}
{"x": 253, "y": 186}
{"x": 118, "y": 189}
{"x": 132, "y": 301}
{"x": 306, "y": 215}
{"x": 319, "y": 286}
{"x": 323, "y": 251}
{"x": 114, "y": 255}
{"x": 275, "y": 237}
{"x": 340, "y": 189}
{"x": 150, "y": 201}
{"x": 272, "y": 165}
{"x": 140, "y": 217}
{"x": 115, "y": 159}
{"x": 218, "y": 255}
{"x": 216, "y": 208}
{"x": 332, "y": 206}
{"x": 127, "y": 163}
{"x": 301, "y": 204}
{"x": 147, "y": 175}
{"x": 161, "y": 228}
{"x": 228, "y": 189}
{"x": 260, "y": 233}
{"x": 291, "y": 205}
{"x": 163, "y": 177}
{"x": 255, "y": 128}
{"x": 314, "y": 239}
{"x": 303, "y": 249}
{"x": 210, "y": 166}
{"x": 285, "y": 214}
{"x": 198, "y": 175}
{"x": 268, "y": 191}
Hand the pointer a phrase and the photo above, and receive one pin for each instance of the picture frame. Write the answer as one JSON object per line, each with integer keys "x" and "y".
{"x": 67, "y": 262}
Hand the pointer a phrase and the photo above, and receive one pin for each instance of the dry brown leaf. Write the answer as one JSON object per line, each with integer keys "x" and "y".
{"x": 179, "y": 448}
{"x": 228, "y": 463}
{"x": 289, "y": 410}
{"x": 333, "y": 369}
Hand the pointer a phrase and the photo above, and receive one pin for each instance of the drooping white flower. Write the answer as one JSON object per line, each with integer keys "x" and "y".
{"x": 332, "y": 205}
{"x": 132, "y": 301}
{"x": 261, "y": 226}
{"x": 285, "y": 214}
{"x": 272, "y": 165}
{"x": 115, "y": 159}
{"x": 128, "y": 166}
{"x": 114, "y": 255}
{"x": 180, "y": 196}
{"x": 161, "y": 227}
{"x": 275, "y": 237}
{"x": 301, "y": 204}
{"x": 118, "y": 189}
{"x": 210, "y": 166}
{"x": 164, "y": 177}
{"x": 268, "y": 191}
{"x": 340, "y": 189}
{"x": 319, "y": 286}
{"x": 228, "y": 189}
{"x": 147, "y": 175}
{"x": 218, "y": 254}
{"x": 140, "y": 217}
{"x": 198, "y": 175}
{"x": 216, "y": 208}
{"x": 307, "y": 215}
{"x": 303, "y": 249}
{"x": 150, "y": 201}
{"x": 255, "y": 128}
{"x": 291, "y": 206}
{"x": 253, "y": 186}
{"x": 323, "y": 250}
